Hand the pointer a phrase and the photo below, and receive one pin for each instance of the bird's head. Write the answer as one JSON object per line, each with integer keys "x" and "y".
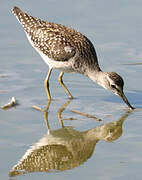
{"x": 114, "y": 82}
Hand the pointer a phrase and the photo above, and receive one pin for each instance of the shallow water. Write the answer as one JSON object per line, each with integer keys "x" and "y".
{"x": 114, "y": 27}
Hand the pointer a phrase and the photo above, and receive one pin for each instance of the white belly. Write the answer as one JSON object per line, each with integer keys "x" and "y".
{"x": 65, "y": 66}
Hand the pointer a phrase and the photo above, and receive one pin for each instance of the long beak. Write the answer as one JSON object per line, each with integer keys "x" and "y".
{"x": 122, "y": 95}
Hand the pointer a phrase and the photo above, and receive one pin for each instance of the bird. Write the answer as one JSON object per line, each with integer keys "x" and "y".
{"x": 69, "y": 51}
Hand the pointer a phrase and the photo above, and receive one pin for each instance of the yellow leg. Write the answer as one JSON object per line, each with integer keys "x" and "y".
{"x": 63, "y": 85}
{"x": 46, "y": 84}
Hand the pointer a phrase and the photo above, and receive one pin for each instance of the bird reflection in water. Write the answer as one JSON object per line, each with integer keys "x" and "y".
{"x": 65, "y": 148}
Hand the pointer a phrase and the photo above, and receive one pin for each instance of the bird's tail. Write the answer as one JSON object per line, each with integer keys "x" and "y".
{"x": 16, "y": 11}
{"x": 25, "y": 20}
{"x": 20, "y": 15}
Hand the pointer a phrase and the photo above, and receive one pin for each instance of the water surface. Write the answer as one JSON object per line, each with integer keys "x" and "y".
{"x": 114, "y": 27}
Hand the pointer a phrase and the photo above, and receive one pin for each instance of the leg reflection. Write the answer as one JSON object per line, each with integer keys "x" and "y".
{"x": 60, "y": 111}
{"x": 59, "y": 114}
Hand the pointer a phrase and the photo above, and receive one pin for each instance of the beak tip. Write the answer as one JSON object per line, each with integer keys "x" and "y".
{"x": 132, "y": 108}
{"x": 126, "y": 101}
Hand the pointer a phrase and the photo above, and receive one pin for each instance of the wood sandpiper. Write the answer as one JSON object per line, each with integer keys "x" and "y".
{"x": 69, "y": 51}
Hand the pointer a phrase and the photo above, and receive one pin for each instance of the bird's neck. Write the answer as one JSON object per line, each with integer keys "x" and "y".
{"x": 98, "y": 76}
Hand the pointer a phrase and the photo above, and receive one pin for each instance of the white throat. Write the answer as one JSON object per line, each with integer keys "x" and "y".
{"x": 99, "y": 77}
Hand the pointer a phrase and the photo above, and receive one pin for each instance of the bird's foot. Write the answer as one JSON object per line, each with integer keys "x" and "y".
{"x": 42, "y": 109}
{"x": 39, "y": 108}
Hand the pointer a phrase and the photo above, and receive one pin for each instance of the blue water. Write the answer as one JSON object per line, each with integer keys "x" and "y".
{"x": 115, "y": 28}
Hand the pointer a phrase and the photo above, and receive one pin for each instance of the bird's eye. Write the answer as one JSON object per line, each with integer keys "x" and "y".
{"x": 113, "y": 86}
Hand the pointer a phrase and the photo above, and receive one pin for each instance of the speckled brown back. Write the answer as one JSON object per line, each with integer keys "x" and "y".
{"x": 58, "y": 42}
